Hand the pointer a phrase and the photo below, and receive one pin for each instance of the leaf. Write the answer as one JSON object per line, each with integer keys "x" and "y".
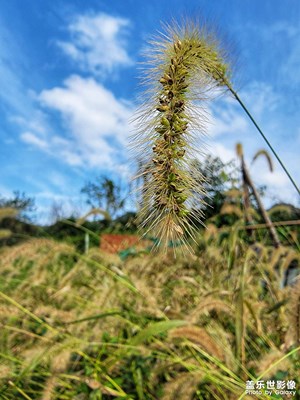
{"x": 97, "y": 316}
{"x": 276, "y": 306}
{"x": 155, "y": 329}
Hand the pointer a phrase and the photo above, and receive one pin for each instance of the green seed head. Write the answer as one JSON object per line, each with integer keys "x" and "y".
{"x": 186, "y": 65}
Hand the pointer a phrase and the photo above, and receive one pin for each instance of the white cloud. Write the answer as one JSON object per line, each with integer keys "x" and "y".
{"x": 31, "y": 138}
{"x": 12, "y": 61}
{"x": 282, "y": 27}
{"x": 231, "y": 125}
{"x": 276, "y": 178}
{"x": 281, "y": 35}
{"x": 97, "y": 42}
{"x": 262, "y": 98}
{"x": 219, "y": 150}
{"x": 227, "y": 121}
{"x": 279, "y": 187}
{"x": 228, "y": 117}
{"x": 5, "y": 192}
{"x": 289, "y": 70}
{"x": 58, "y": 180}
{"x": 53, "y": 205}
{"x": 96, "y": 124}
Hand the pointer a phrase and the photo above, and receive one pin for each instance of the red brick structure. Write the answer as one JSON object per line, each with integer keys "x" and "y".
{"x": 114, "y": 243}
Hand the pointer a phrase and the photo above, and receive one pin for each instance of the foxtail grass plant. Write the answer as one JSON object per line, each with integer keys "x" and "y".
{"x": 94, "y": 326}
{"x": 184, "y": 66}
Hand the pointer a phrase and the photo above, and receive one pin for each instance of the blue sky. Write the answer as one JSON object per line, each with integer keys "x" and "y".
{"x": 69, "y": 85}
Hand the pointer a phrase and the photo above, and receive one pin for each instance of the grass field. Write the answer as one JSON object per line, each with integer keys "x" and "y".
{"x": 154, "y": 326}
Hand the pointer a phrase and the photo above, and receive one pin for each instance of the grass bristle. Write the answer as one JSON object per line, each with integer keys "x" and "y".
{"x": 183, "y": 67}
{"x": 200, "y": 337}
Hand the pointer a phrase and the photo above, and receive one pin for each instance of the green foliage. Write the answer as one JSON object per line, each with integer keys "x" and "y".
{"x": 105, "y": 194}
{"x": 152, "y": 327}
{"x": 69, "y": 231}
{"x": 284, "y": 212}
{"x": 217, "y": 178}
{"x": 20, "y": 202}
{"x": 14, "y": 220}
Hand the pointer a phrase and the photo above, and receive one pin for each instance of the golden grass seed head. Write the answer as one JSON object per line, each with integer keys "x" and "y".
{"x": 185, "y": 65}
{"x": 239, "y": 149}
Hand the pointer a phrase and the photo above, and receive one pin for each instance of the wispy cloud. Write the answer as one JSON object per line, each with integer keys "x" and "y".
{"x": 279, "y": 27}
{"x": 228, "y": 117}
{"x": 279, "y": 47}
{"x": 231, "y": 125}
{"x": 13, "y": 62}
{"x": 289, "y": 70}
{"x": 53, "y": 206}
{"x": 97, "y": 42}
{"x": 31, "y": 138}
{"x": 5, "y": 192}
{"x": 218, "y": 149}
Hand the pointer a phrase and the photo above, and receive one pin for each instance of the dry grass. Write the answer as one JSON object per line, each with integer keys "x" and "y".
{"x": 69, "y": 320}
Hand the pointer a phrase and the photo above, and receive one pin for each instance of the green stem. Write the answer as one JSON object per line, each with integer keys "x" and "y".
{"x": 264, "y": 137}
{"x": 272, "y": 366}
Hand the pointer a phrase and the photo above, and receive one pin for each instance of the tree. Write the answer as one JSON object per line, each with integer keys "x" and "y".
{"x": 216, "y": 177}
{"x": 6, "y": 213}
{"x": 20, "y": 202}
{"x": 57, "y": 211}
{"x": 15, "y": 225}
{"x": 105, "y": 194}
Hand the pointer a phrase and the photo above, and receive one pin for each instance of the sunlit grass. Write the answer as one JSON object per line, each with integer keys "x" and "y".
{"x": 92, "y": 327}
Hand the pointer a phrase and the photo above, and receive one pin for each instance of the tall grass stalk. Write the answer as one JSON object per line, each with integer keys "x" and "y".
{"x": 248, "y": 183}
{"x": 184, "y": 65}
